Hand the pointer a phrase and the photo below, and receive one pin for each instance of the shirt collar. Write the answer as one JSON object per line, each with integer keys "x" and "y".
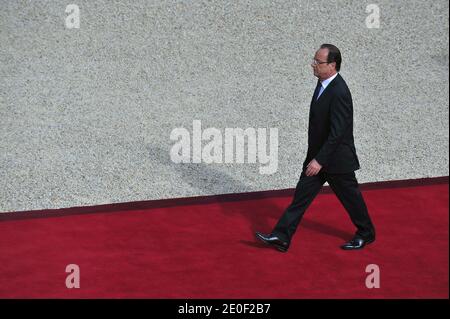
{"x": 327, "y": 81}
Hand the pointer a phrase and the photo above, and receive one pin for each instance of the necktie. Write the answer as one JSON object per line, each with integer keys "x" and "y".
{"x": 317, "y": 91}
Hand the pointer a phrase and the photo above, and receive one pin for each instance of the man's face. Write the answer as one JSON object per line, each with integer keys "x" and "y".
{"x": 322, "y": 70}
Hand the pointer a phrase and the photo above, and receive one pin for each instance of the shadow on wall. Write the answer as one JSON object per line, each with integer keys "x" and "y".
{"x": 207, "y": 179}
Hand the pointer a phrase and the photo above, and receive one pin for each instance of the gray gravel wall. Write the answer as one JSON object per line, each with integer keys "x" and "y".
{"x": 86, "y": 113}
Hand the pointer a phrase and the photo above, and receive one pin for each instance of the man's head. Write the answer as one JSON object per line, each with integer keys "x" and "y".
{"x": 327, "y": 61}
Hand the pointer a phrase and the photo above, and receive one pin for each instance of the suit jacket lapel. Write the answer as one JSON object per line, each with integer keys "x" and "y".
{"x": 327, "y": 89}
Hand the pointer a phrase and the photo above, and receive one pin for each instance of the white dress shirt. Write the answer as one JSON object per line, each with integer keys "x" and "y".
{"x": 325, "y": 83}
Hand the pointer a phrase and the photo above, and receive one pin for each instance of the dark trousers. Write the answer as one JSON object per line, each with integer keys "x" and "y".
{"x": 345, "y": 186}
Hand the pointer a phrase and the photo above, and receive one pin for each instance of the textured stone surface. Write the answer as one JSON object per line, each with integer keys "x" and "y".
{"x": 86, "y": 114}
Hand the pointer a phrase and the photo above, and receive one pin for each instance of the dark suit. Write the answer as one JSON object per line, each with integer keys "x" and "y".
{"x": 331, "y": 143}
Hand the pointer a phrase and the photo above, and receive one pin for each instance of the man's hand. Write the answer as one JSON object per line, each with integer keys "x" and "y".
{"x": 313, "y": 168}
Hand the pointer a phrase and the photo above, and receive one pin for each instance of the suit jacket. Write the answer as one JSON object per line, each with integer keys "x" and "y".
{"x": 330, "y": 132}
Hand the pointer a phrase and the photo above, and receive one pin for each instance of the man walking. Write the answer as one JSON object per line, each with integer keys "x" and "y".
{"x": 331, "y": 156}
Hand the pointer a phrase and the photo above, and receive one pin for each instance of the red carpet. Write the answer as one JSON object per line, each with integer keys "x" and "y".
{"x": 208, "y": 250}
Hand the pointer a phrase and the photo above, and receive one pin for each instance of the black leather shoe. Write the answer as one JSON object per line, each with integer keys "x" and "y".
{"x": 357, "y": 243}
{"x": 274, "y": 241}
